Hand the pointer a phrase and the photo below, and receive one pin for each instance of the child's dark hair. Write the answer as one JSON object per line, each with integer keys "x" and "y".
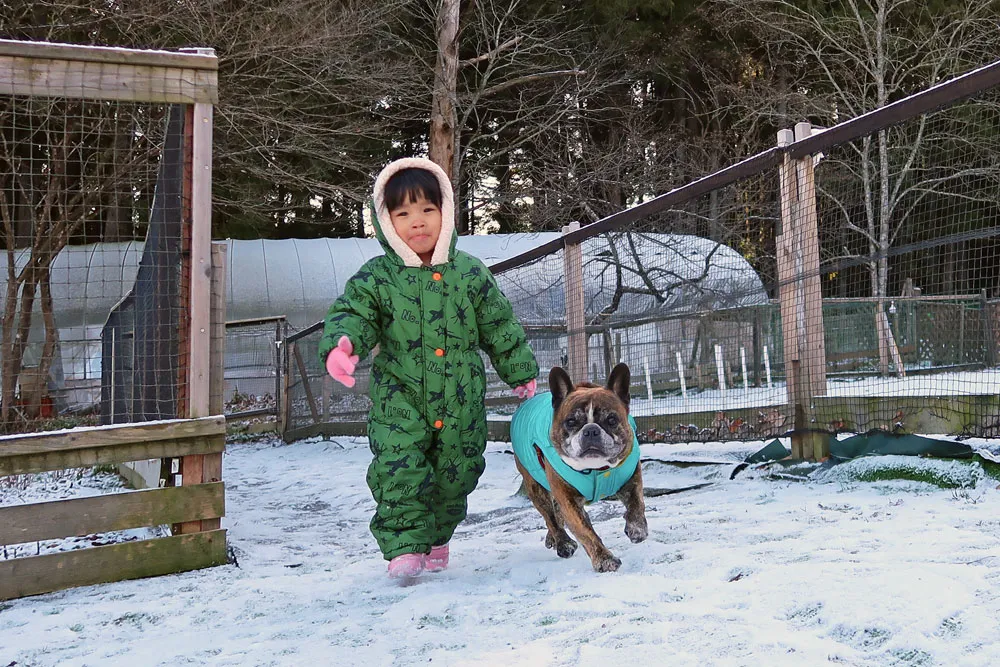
{"x": 408, "y": 185}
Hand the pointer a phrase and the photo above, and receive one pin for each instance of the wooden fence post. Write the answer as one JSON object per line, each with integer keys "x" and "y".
{"x": 196, "y": 469}
{"x": 801, "y": 296}
{"x": 212, "y": 463}
{"x": 216, "y": 374}
{"x": 279, "y": 370}
{"x": 576, "y": 334}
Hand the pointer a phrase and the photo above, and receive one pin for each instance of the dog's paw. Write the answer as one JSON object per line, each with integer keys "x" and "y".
{"x": 637, "y": 532}
{"x": 566, "y": 548}
{"x": 608, "y": 564}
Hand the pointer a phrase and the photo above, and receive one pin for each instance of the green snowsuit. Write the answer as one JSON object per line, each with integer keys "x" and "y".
{"x": 427, "y": 426}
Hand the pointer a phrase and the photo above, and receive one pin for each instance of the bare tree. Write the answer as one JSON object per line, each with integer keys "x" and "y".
{"x": 313, "y": 93}
{"x": 57, "y": 174}
{"x": 505, "y": 73}
{"x": 838, "y": 64}
{"x": 444, "y": 118}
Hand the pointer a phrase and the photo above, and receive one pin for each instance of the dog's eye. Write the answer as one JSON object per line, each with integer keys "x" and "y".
{"x": 611, "y": 421}
{"x": 570, "y": 423}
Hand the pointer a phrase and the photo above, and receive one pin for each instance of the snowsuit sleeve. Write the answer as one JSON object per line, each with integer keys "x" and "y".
{"x": 501, "y": 336}
{"x": 355, "y": 314}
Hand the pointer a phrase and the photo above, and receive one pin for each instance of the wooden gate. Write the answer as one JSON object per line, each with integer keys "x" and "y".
{"x": 197, "y": 506}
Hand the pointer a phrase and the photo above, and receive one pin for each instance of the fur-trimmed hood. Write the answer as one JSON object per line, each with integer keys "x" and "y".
{"x": 391, "y": 242}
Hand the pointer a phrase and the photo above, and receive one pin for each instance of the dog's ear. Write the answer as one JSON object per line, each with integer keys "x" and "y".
{"x": 619, "y": 381}
{"x": 560, "y": 385}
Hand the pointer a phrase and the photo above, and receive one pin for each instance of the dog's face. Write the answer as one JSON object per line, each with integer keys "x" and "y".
{"x": 590, "y": 429}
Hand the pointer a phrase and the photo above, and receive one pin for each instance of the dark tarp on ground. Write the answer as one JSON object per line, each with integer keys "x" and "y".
{"x": 872, "y": 444}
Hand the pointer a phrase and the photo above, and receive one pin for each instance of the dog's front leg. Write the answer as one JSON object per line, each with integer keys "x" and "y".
{"x": 571, "y": 504}
{"x": 635, "y": 507}
{"x": 556, "y": 538}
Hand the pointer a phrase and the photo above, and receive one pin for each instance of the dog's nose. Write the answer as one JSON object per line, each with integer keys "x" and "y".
{"x": 591, "y": 431}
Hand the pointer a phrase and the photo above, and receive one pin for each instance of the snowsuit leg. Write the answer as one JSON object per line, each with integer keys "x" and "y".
{"x": 401, "y": 479}
{"x": 458, "y": 464}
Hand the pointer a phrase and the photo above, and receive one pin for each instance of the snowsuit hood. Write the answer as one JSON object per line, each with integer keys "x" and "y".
{"x": 391, "y": 242}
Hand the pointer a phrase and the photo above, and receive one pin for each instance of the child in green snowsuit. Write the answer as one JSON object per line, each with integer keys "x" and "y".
{"x": 430, "y": 309}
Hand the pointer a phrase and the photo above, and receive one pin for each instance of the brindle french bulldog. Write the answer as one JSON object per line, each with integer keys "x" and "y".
{"x": 591, "y": 442}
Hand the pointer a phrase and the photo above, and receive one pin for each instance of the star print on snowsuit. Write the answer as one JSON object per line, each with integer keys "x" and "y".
{"x": 430, "y": 322}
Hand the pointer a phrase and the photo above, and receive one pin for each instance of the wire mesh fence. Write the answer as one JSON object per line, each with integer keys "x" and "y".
{"x": 140, "y": 346}
{"x": 78, "y": 173}
{"x": 907, "y": 222}
{"x": 253, "y": 368}
{"x": 671, "y": 295}
{"x": 847, "y": 280}
{"x": 312, "y": 402}
{"x": 95, "y": 207}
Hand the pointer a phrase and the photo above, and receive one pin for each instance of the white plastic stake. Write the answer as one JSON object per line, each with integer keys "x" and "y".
{"x": 743, "y": 363}
{"x": 767, "y": 367}
{"x": 719, "y": 367}
{"x": 680, "y": 373}
{"x": 649, "y": 383}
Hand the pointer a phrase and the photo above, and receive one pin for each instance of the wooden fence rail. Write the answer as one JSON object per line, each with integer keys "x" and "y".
{"x": 202, "y": 501}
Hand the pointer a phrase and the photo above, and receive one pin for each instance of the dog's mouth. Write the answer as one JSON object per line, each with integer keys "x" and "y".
{"x": 592, "y": 458}
{"x": 585, "y": 463}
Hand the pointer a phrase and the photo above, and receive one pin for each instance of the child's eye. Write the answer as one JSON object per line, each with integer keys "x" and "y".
{"x": 429, "y": 209}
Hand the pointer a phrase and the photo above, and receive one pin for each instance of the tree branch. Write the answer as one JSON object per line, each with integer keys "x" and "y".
{"x": 530, "y": 78}
{"x": 490, "y": 55}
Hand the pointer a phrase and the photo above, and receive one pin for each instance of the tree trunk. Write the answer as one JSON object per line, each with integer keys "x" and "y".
{"x": 115, "y": 216}
{"x": 880, "y": 288}
{"x": 17, "y": 337}
{"x": 444, "y": 116}
{"x": 359, "y": 230}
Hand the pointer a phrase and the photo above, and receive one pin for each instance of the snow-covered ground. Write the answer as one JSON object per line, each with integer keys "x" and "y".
{"x": 762, "y": 570}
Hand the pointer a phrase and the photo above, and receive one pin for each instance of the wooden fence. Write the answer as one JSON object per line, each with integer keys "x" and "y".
{"x": 196, "y": 503}
{"x": 191, "y": 501}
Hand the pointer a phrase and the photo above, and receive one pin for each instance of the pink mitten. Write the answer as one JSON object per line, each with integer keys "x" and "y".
{"x": 340, "y": 362}
{"x": 525, "y": 390}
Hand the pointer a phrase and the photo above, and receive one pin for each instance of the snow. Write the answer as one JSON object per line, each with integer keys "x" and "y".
{"x": 98, "y": 427}
{"x": 760, "y": 570}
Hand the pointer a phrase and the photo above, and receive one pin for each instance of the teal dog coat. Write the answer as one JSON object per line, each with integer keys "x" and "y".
{"x": 529, "y": 428}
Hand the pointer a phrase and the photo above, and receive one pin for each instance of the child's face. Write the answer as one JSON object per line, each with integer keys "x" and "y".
{"x": 418, "y": 223}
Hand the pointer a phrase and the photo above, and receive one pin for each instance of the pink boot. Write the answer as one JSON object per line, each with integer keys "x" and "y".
{"x": 406, "y": 565}
{"x": 437, "y": 559}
